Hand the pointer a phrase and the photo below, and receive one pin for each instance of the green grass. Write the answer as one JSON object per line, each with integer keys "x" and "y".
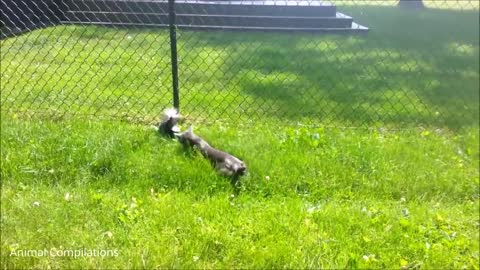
{"x": 434, "y": 4}
{"x": 331, "y": 197}
{"x": 321, "y": 197}
{"x": 412, "y": 69}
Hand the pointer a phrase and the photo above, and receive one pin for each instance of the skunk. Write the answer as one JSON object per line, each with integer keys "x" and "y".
{"x": 168, "y": 125}
{"x": 224, "y": 163}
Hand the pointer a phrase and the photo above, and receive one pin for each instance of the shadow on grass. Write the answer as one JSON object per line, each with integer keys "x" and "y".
{"x": 413, "y": 67}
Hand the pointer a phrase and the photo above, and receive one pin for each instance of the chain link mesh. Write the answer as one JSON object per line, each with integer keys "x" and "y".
{"x": 341, "y": 63}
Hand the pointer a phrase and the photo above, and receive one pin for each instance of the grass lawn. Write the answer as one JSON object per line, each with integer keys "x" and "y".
{"x": 316, "y": 198}
{"x": 436, "y": 4}
{"x": 320, "y": 197}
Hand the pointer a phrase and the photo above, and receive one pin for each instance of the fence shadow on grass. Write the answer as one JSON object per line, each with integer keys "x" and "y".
{"x": 414, "y": 68}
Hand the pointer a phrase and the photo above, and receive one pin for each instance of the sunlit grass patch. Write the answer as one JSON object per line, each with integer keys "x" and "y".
{"x": 313, "y": 198}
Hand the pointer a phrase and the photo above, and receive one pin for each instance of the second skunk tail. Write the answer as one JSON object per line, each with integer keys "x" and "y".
{"x": 168, "y": 125}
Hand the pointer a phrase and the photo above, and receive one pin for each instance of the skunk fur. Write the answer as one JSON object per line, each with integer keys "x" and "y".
{"x": 168, "y": 125}
{"x": 224, "y": 163}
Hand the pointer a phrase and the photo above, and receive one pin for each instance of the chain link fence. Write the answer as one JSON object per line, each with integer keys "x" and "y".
{"x": 339, "y": 63}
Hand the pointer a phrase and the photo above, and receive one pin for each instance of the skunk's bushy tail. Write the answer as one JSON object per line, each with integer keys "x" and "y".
{"x": 170, "y": 119}
{"x": 170, "y": 113}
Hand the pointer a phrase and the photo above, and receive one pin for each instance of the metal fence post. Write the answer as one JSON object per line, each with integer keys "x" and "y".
{"x": 173, "y": 49}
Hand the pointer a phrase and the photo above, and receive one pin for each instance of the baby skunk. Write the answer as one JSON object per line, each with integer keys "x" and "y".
{"x": 224, "y": 163}
{"x": 168, "y": 126}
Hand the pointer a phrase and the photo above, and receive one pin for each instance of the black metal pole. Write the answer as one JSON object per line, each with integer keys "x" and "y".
{"x": 173, "y": 49}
